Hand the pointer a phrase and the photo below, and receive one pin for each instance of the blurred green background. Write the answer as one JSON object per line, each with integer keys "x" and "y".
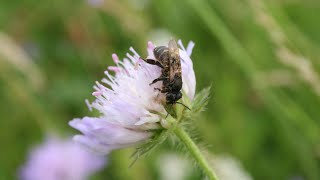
{"x": 261, "y": 57}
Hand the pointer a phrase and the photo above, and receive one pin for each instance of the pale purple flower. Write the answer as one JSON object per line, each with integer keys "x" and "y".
{"x": 130, "y": 108}
{"x": 58, "y": 159}
{"x": 95, "y": 3}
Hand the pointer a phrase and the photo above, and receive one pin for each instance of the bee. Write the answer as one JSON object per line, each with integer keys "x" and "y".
{"x": 168, "y": 59}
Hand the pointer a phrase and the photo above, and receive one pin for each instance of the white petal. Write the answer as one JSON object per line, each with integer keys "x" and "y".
{"x": 92, "y": 145}
{"x": 189, "y": 48}
{"x": 102, "y": 135}
{"x": 188, "y": 75}
{"x": 151, "y": 118}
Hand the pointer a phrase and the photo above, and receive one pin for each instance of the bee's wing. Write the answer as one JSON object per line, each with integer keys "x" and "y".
{"x": 175, "y": 64}
{"x": 173, "y": 47}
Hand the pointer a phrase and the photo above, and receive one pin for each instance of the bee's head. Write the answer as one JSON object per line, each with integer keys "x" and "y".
{"x": 173, "y": 97}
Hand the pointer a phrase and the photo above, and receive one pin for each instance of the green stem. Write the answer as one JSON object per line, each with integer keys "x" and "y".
{"x": 192, "y": 147}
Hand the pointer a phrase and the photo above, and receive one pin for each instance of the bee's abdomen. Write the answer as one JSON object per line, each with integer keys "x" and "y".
{"x": 161, "y": 52}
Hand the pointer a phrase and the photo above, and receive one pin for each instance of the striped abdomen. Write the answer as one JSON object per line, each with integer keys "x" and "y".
{"x": 161, "y": 53}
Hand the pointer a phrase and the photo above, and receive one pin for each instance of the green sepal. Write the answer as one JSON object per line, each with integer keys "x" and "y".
{"x": 158, "y": 137}
{"x": 174, "y": 114}
{"x": 171, "y": 110}
{"x": 199, "y": 103}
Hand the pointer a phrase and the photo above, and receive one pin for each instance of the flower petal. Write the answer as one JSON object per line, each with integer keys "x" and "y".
{"x": 103, "y": 136}
{"x": 190, "y": 47}
{"x": 92, "y": 145}
{"x": 188, "y": 76}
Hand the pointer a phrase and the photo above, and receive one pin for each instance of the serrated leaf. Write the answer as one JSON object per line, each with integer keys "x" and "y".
{"x": 200, "y": 101}
{"x": 157, "y": 139}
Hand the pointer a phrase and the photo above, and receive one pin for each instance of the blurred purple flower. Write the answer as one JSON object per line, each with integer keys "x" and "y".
{"x": 95, "y": 3}
{"x": 130, "y": 107}
{"x": 58, "y": 159}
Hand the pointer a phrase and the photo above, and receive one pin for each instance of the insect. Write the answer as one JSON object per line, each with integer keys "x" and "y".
{"x": 168, "y": 59}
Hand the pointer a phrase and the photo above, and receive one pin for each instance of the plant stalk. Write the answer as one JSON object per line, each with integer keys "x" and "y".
{"x": 195, "y": 151}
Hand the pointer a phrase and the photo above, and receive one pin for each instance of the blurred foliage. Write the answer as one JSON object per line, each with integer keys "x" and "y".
{"x": 264, "y": 109}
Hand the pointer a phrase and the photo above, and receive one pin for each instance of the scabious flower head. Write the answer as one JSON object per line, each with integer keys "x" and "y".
{"x": 58, "y": 159}
{"x": 130, "y": 108}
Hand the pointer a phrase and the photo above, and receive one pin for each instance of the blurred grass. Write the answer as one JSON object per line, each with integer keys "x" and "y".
{"x": 272, "y": 129}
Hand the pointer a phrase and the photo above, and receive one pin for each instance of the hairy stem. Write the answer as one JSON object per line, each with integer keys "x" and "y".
{"x": 196, "y": 153}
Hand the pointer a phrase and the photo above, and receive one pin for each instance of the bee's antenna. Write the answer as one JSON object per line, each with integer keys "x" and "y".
{"x": 183, "y": 105}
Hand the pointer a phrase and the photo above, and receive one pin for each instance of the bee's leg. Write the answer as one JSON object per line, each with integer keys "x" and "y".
{"x": 162, "y": 90}
{"x": 153, "y": 62}
{"x": 165, "y": 90}
{"x": 158, "y": 79}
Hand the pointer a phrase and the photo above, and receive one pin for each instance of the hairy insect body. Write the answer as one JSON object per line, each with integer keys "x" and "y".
{"x": 168, "y": 59}
{"x": 161, "y": 53}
